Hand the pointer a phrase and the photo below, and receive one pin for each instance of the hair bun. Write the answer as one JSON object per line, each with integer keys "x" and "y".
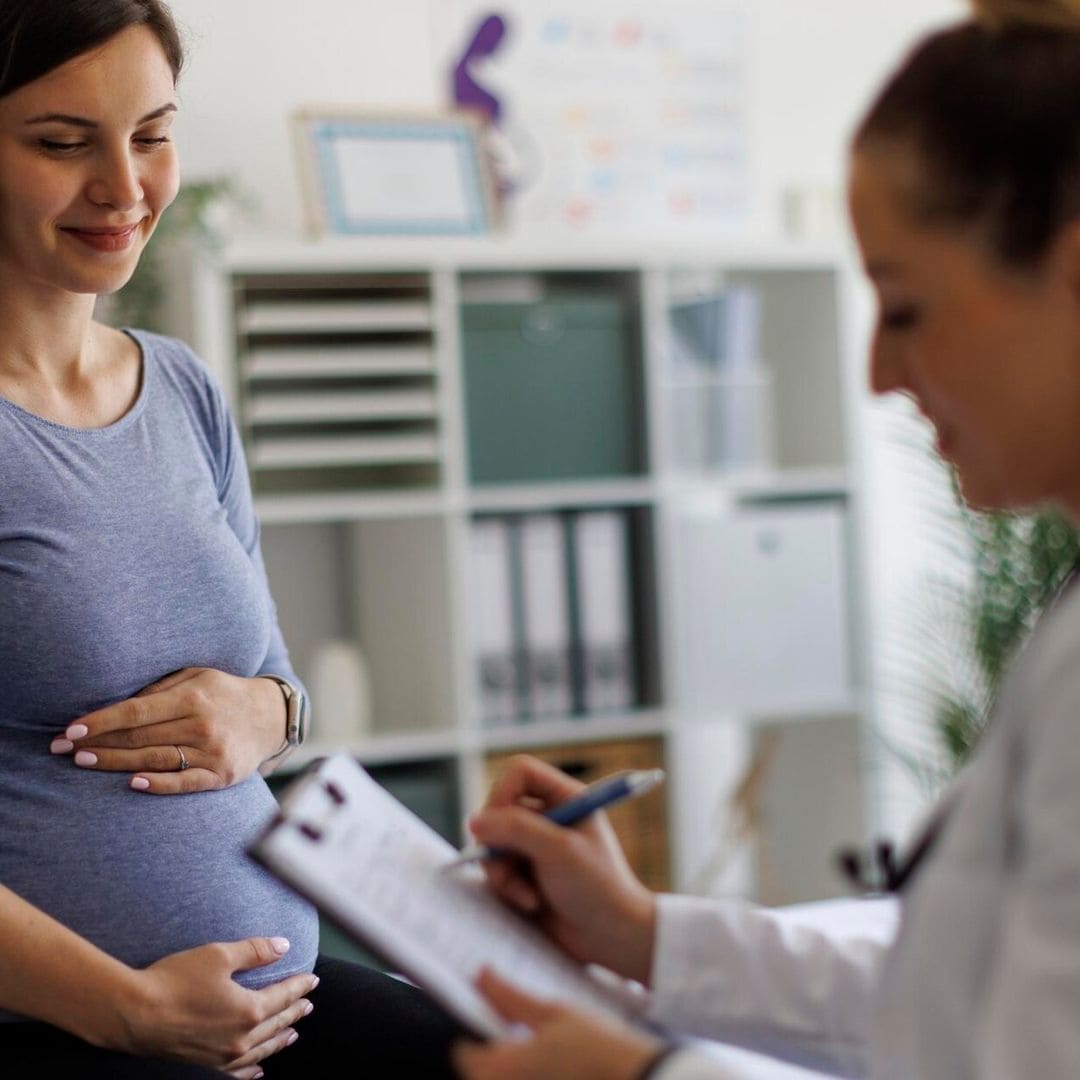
{"x": 1047, "y": 14}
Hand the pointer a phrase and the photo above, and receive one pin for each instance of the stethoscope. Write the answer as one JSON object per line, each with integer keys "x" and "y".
{"x": 880, "y": 871}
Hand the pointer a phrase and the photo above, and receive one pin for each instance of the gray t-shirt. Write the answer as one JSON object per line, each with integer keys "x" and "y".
{"x": 128, "y": 552}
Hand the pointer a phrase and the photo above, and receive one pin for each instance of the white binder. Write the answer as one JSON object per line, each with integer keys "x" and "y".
{"x": 492, "y": 606}
{"x": 601, "y": 551}
{"x": 546, "y": 615}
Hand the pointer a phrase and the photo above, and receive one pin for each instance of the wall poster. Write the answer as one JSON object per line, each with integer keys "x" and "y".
{"x": 612, "y": 115}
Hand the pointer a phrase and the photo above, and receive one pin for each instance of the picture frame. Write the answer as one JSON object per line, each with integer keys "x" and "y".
{"x": 394, "y": 174}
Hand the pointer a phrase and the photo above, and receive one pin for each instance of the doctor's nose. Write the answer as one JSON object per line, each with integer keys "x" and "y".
{"x": 887, "y": 372}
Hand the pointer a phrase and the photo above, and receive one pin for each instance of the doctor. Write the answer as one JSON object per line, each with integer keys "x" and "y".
{"x": 965, "y": 200}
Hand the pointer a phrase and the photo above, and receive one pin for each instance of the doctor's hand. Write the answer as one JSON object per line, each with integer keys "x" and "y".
{"x": 197, "y": 729}
{"x": 188, "y": 1007}
{"x": 575, "y": 882}
{"x": 561, "y": 1041}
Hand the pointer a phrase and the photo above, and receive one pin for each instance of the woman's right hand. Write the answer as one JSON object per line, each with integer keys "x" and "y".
{"x": 575, "y": 882}
{"x": 188, "y": 1007}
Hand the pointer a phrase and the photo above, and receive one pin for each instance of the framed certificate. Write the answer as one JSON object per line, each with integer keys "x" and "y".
{"x": 377, "y": 174}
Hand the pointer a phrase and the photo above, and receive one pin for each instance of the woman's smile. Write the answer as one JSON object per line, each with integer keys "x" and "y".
{"x": 107, "y": 240}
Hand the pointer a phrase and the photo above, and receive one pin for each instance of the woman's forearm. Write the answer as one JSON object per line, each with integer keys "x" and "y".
{"x": 50, "y": 973}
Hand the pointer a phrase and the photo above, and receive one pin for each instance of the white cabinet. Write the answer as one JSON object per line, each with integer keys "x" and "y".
{"x": 562, "y": 501}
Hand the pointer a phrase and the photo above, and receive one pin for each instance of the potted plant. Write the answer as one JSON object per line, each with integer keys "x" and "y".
{"x": 971, "y": 621}
{"x": 1019, "y": 564}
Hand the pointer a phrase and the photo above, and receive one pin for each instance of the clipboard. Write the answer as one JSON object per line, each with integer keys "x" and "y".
{"x": 372, "y": 866}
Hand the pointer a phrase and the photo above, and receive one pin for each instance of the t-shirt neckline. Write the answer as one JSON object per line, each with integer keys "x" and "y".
{"x": 118, "y": 425}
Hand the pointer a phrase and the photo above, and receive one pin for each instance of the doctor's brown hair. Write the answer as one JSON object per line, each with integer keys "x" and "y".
{"x": 991, "y": 108}
{"x": 37, "y": 36}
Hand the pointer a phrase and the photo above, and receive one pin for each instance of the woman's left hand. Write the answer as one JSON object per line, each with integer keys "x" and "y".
{"x": 562, "y": 1041}
{"x": 222, "y": 725}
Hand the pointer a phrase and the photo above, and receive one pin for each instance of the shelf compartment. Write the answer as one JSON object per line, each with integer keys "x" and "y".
{"x": 640, "y": 824}
{"x": 554, "y": 390}
{"x": 778, "y": 329}
{"x": 338, "y": 383}
{"x": 783, "y": 569}
{"x": 562, "y": 620}
{"x": 382, "y": 588}
{"x": 809, "y": 804}
{"x": 720, "y": 422}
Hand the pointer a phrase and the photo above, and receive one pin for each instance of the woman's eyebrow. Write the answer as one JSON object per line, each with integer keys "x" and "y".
{"x": 82, "y": 121}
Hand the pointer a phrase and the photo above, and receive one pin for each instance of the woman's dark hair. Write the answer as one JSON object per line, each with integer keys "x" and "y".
{"x": 39, "y": 35}
{"x": 992, "y": 109}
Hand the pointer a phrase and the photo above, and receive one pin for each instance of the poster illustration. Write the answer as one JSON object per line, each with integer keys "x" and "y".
{"x": 612, "y": 115}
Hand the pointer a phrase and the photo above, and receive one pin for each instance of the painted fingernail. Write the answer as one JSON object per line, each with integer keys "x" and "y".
{"x": 314, "y": 982}
{"x": 77, "y": 731}
{"x": 280, "y": 945}
{"x": 61, "y": 746}
{"x": 84, "y": 757}
{"x": 258, "y": 1076}
{"x": 140, "y": 783}
{"x": 292, "y": 1038}
{"x": 308, "y": 1008}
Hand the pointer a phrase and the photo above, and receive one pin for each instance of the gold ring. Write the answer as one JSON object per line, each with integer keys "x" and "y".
{"x": 184, "y": 763}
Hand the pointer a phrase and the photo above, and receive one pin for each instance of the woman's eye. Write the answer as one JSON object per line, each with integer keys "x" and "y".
{"x": 55, "y": 146}
{"x": 156, "y": 140}
{"x": 899, "y": 318}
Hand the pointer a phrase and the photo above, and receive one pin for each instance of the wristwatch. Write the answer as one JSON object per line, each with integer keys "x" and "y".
{"x": 296, "y": 714}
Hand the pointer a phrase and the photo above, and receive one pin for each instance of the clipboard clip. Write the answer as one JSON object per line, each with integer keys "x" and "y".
{"x": 314, "y": 831}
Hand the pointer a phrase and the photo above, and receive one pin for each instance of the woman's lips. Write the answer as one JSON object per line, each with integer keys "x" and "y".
{"x": 105, "y": 239}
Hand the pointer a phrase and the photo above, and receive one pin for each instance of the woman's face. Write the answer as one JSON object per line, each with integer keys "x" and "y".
{"x": 87, "y": 166}
{"x": 990, "y": 354}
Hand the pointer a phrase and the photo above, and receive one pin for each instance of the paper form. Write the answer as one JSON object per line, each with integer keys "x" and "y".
{"x": 376, "y": 868}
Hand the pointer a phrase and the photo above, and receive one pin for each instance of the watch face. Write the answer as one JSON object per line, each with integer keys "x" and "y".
{"x": 301, "y": 718}
{"x": 296, "y": 730}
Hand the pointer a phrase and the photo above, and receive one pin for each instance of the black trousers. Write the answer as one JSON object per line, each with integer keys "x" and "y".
{"x": 364, "y": 1023}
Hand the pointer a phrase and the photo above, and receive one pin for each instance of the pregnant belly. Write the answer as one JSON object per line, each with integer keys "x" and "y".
{"x": 143, "y": 876}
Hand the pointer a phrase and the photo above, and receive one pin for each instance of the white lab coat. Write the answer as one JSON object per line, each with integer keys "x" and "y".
{"x": 983, "y": 979}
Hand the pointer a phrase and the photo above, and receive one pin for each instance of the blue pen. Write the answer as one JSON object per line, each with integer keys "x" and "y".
{"x": 606, "y": 792}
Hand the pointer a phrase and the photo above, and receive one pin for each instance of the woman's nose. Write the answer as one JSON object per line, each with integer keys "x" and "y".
{"x": 117, "y": 183}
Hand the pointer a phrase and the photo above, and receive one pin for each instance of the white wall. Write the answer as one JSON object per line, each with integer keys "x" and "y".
{"x": 251, "y": 64}
{"x": 819, "y": 62}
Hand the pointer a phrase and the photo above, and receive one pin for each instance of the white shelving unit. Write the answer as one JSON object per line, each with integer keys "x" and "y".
{"x": 346, "y": 365}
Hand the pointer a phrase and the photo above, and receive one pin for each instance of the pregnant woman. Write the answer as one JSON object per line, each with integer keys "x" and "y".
{"x": 144, "y": 684}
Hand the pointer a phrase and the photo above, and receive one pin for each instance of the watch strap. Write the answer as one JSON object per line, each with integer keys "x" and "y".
{"x": 295, "y": 713}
